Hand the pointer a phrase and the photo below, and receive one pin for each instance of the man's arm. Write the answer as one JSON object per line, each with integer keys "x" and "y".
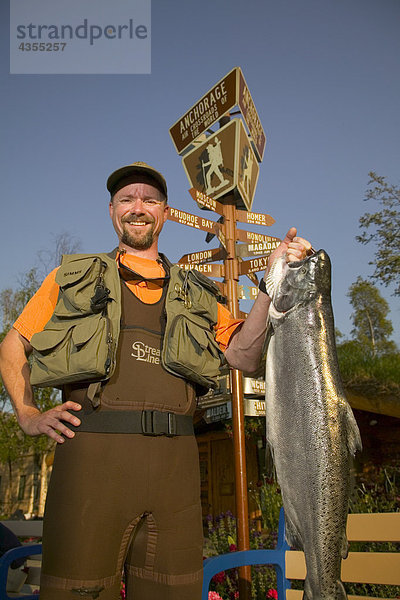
{"x": 15, "y": 371}
{"x": 245, "y": 347}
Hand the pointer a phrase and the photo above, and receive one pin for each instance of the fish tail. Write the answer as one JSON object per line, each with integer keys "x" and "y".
{"x": 353, "y": 433}
{"x": 340, "y": 591}
{"x": 345, "y": 547}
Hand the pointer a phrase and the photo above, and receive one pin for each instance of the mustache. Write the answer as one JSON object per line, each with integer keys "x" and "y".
{"x": 132, "y": 219}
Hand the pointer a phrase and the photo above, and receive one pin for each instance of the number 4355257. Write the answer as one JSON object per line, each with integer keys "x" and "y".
{"x": 42, "y": 46}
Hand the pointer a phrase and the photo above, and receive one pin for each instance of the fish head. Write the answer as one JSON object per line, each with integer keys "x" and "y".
{"x": 289, "y": 284}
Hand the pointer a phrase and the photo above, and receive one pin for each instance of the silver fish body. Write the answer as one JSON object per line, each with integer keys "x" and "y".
{"x": 310, "y": 426}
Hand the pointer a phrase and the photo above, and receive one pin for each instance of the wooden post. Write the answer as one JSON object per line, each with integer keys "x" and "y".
{"x": 242, "y": 509}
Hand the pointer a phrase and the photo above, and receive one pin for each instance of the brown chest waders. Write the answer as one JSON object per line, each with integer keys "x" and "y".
{"x": 128, "y": 500}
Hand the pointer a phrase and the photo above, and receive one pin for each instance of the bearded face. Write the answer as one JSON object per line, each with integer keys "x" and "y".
{"x": 138, "y": 212}
{"x": 135, "y": 235}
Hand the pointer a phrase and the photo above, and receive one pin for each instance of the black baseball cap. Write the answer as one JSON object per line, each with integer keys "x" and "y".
{"x": 123, "y": 174}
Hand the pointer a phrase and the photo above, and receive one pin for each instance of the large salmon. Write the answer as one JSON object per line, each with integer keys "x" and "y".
{"x": 310, "y": 426}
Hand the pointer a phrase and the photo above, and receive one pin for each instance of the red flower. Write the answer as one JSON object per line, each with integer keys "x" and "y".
{"x": 219, "y": 577}
{"x": 232, "y": 548}
{"x": 272, "y": 594}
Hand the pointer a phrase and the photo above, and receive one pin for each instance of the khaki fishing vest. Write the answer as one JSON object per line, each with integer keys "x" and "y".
{"x": 80, "y": 341}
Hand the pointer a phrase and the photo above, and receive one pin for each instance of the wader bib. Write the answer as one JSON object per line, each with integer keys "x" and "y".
{"x": 131, "y": 499}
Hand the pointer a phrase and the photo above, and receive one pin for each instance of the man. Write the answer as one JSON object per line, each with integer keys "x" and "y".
{"x": 119, "y": 499}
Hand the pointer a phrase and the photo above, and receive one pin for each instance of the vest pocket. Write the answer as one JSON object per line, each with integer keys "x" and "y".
{"x": 77, "y": 282}
{"x": 191, "y": 350}
{"x": 64, "y": 353}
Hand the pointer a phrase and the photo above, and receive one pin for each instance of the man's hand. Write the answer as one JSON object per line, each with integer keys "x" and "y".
{"x": 15, "y": 372}
{"x": 295, "y": 248}
{"x": 52, "y": 422}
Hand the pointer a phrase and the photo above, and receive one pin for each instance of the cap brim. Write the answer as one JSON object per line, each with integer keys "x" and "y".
{"x": 131, "y": 170}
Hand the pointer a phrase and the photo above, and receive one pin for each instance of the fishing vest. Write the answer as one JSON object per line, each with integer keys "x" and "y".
{"x": 81, "y": 339}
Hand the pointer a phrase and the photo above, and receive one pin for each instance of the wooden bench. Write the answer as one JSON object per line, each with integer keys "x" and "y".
{"x": 359, "y": 567}
{"x": 30, "y": 551}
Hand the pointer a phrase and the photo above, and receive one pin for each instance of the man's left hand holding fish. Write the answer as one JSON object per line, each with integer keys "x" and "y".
{"x": 246, "y": 344}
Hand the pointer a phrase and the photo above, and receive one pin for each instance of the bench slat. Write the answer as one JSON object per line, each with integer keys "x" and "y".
{"x": 378, "y": 527}
{"x": 298, "y": 595}
{"x": 359, "y": 567}
{"x": 25, "y": 528}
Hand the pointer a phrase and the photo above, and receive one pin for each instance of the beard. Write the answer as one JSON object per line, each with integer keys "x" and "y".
{"x": 138, "y": 241}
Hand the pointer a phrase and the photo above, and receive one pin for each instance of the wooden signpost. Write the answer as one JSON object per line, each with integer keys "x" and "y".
{"x": 223, "y": 170}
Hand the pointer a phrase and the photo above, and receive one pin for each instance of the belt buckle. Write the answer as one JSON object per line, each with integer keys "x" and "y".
{"x": 157, "y": 423}
{"x": 171, "y": 425}
{"x": 147, "y": 423}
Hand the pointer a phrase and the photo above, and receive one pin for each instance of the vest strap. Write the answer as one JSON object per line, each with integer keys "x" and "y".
{"x": 145, "y": 422}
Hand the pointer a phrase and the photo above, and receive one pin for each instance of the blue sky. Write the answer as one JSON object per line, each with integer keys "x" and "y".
{"x": 324, "y": 76}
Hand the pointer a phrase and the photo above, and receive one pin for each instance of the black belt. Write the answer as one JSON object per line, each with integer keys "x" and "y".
{"x": 145, "y": 422}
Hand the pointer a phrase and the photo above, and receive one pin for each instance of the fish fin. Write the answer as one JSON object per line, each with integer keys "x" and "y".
{"x": 345, "y": 547}
{"x": 293, "y": 537}
{"x": 353, "y": 433}
{"x": 340, "y": 591}
{"x": 269, "y": 463}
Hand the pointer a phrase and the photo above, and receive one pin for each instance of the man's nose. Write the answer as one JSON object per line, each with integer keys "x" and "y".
{"x": 137, "y": 206}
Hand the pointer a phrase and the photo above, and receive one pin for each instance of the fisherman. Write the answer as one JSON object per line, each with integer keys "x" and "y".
{"x": 125, "y": 488}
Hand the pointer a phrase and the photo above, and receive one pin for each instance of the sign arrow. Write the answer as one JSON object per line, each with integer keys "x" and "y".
{"x": 205, "y": 201}
{"x": 185, "y": 218}
{"x": 211, "y": 269}
{"x": 253, "y": 265}
{"x": 250, "y": 237}
{"x": 252, "y": 218}
{"x": 202, "y": 256}
{"x": 247, "y": 292}
{"x": 256, "y": 249}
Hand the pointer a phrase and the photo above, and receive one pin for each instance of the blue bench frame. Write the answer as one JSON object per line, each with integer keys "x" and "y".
{"x": 5, "y": 562}
{"x": 211, "y": 566}
{"x": 275, "y": 558}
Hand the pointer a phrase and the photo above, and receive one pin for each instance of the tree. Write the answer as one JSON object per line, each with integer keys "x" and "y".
{"x": 14, "y": 444}
{"x": 63, "y": 243}
{"x": 383, "y": 228}
{"x": 372, "y": 328}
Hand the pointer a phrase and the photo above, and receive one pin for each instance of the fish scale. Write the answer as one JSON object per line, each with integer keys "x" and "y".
{"x": 310, "y": 426}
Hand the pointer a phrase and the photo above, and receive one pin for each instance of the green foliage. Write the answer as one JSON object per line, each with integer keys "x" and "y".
{"x": 268, "y": 499}
{"x": 383, "y": 229}
{"x": 377, "y": 374}
{"x": 221, "y": 539}
{"x": 377, "y": 490}
{"x": 12, "y": 302}
{"x": 14, "y": 444}
{"x": 371, "y": 326}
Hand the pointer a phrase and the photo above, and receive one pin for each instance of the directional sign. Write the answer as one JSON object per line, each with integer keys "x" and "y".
{"x": 229, "y": 92}
{"x": 254, "y": 408}
{"x": 252, "y": 238}
{"x": 252, "y": 218}
{"x": 253, "y": 387}
{"x": 213, "y": 105}
{"x": 212, "y": 269}
{"x": 256, "y": 249}
{"x": 224, "y": 162}
{"x": 246, "y": 168}
{"x": 185, "y": 218}
{"x": 203, "y": 256}
{"x": 247, "y": 292}
{"x": 253, "y": 278}
{"x": 253, "y": 265}
{"x": 206, "y": 202}
{"x": 221, "y": 237}
{"x": 222, "y": 412}
{"x": 251, "y": 117}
